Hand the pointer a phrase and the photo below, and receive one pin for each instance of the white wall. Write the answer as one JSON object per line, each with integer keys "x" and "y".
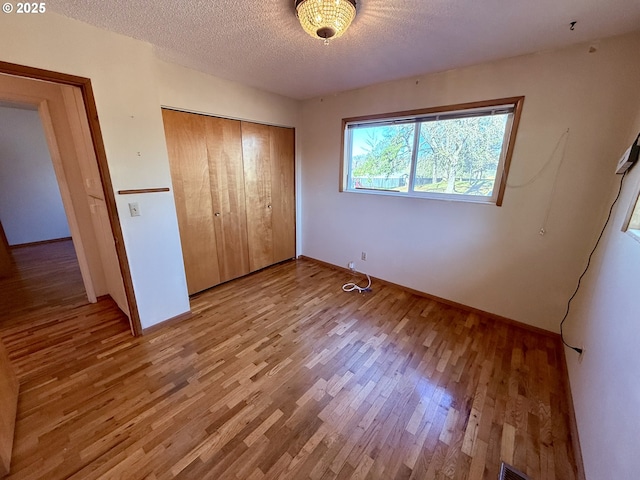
{"x": 487, "y": 257}
{"x": 189, "y": 90}
{"x": 129, "y": 84}
{"x": 605, "y": 318}
{"x": 31, "y": 207}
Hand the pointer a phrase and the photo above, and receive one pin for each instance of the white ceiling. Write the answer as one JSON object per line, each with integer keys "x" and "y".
{"x": 260, "y": 43}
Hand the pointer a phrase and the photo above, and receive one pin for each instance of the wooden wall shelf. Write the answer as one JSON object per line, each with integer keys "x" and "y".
{"x": 143, "y": 190}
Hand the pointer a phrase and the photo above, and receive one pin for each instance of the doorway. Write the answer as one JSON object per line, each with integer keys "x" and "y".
{"x": 31, "y": 208}
{"x": 67, "y": 111}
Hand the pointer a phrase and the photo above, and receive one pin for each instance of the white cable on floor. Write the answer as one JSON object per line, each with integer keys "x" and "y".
{"x": 351, "y": 286}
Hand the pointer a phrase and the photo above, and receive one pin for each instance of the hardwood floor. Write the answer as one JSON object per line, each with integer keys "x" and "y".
{"x": 283, "y": 375}
{"x": 44, "y": 275}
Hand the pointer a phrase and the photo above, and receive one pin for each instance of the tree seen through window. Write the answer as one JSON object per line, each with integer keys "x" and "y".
{"x": 455, "y": 156}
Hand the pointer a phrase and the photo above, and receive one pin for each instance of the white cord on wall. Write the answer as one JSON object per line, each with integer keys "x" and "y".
{"x": 565, "y": 137}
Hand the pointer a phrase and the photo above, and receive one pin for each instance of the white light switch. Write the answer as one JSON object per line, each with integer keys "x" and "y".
{"x": 134, "y": 209}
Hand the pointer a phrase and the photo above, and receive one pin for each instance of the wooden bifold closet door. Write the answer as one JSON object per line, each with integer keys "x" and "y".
{"x": 233, "y": 185}
{"x": 268, "y": 154}
{"x": 189, "y": 161}
{"x": 227, "y": 192}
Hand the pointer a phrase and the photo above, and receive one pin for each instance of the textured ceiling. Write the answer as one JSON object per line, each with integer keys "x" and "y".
{"x": 260, "y": 43}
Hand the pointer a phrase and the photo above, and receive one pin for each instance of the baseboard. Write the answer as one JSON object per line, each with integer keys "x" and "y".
{"x": 451, "y": 303}
{"x": 168, "y": 322}
{"x": 573, "y": 424}
{"x": 41, "y": 242}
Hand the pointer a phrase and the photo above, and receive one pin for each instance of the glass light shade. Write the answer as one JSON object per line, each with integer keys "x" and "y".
{"x": 325, "y": 18}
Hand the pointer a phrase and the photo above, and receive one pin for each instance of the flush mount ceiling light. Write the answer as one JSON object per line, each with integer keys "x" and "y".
{"x": 325, "y": 19}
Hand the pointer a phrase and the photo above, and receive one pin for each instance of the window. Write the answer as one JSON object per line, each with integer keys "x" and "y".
{"x": 632, "y": 224}
{"x": 459, "y": 152}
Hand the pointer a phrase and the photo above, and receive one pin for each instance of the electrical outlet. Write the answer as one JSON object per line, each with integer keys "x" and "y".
{"x": 134, "y": 209}
{"x": 363, "y": 257}
{"x": 352, "y": 266}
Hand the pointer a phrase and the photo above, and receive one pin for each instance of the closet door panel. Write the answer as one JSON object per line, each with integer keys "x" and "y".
{"x": 224, "y": 146}
{"x": 257, "y": 179}
{"x": 186, "y": 144}
{"x": 283, "y": 193}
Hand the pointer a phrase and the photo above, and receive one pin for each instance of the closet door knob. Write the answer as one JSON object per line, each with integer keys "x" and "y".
{"x": 217, "y": 214}
{"x": 268, "y": 206}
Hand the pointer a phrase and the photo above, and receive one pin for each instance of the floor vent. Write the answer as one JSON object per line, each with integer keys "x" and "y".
{"x": 507, "y": 472}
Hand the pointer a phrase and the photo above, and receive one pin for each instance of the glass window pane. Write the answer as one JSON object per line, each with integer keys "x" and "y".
{"x": 460, "y": 152}
{"x": 634, "y": 223}
{"x": 381, "y": 157}
{"x": 460, "y": 156}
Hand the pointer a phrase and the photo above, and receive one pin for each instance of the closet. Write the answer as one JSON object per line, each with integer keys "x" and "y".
{"x": 233, "y": 185}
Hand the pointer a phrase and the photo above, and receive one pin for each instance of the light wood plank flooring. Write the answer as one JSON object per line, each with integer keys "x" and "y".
{"x": 282, "y": 375}
{"x": 44, "y": 276}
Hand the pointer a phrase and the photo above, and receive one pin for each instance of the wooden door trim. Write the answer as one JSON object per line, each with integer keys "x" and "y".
{"x": 6, "y": 260}
{"x": 9, "y": 389}
{"x": 98, "y": 145}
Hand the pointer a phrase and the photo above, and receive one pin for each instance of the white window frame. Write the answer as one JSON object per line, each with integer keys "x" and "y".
{"x": 511, "y": 105}
{"x": 635, "y": 206}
